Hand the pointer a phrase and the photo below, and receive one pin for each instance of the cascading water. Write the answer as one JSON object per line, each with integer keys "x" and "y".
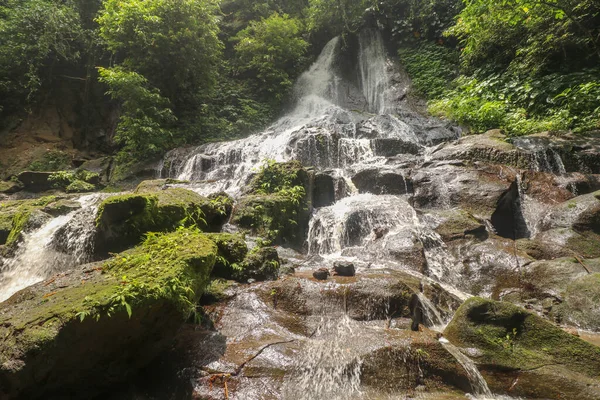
{"x": 373, "y": 73}
{"x": 376, "y": 230}
{"x": 41, "y": 254}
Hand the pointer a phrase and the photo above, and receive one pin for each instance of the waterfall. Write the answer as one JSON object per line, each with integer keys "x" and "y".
{"x": 327, "y": 369}
{"x": 40, "y": 255}
{"x": 373, "y": 72}
{"x": 478, "y": 383}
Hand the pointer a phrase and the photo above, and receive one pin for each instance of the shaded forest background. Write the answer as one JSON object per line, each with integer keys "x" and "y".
{"x": 145, "y": 76}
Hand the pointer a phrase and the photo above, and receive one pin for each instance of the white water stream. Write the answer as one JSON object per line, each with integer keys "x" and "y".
{"x": 37, "y": 256}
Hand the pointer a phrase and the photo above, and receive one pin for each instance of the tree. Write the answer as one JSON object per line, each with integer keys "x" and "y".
{"x": 35, "y": 36}
{"x": 271, "y": 50}
{"x": 172, "y": 43}
{"x": 145, "y": 119}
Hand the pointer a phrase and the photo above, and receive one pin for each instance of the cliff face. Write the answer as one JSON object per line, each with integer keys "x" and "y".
{"x": 75, "y": 122}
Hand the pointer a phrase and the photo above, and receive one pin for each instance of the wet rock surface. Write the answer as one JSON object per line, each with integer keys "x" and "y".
{"x": 516, "y": 343}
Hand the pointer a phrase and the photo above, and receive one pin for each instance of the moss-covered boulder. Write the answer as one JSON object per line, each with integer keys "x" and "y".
{"x": 277, "y": 203}
{"x": 458, "y": 224}
{"x": 86, "y": 329}
{"x": 18, "y": 216}
{"x": 262, "y": 263}
{"x": 123, "y": 220}
{"x": 232, "y": 252}
{"x": 513, "y": 343}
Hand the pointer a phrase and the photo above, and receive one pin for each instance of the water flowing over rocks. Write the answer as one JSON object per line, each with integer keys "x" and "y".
{"x": 348, "y": 240}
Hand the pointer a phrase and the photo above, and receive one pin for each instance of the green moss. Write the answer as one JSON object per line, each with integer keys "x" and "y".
{"x": 584, "y": 244}
{"x": 458, "y": 224}
{"x": 123, "y": 220}
{"x": 156, "y": 184}
{"x": 261, "y": 263}
{"x": 515, "y": 339}
{"x": 580, "y": 301}
{"x": 52, "y": 160}
{"x": 75, "y": 182}
{"x": 19, "y": 223}
{"x": 78, "y": 186}
{"x": 274, "y": 217}
{"x": 276, "y": 206}
{"x": 217, "y": 291}
{"x": 168, "y": 269}
{"x": 232, "y": 251}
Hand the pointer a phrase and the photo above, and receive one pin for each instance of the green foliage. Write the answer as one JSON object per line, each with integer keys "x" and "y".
{"x": 171, "y": 267}
{"x": 431, "y": 67}
{"x": 523, "y": 105}
{"x": 411, "y": 21}
{"x": 144, "y": 124}
{"x": 172, "y": 43}
{"x": 52, "y": 160}
{"x": 529, "y": 36}
{"x": 74, "y": 182}
{"x": 337, "y": 16}
{"x": 271, "y": 50}
{"x": 36, "y": 34}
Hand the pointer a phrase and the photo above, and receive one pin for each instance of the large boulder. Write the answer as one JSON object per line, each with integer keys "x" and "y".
{"x": 86, "y": 329}
{"x": 123, "y": 219}
{"x": 490, "y": 147}
{"x": 521, "y": 353}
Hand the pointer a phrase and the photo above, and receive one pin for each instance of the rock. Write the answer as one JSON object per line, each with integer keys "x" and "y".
{"x": 456, "y": 224}
{"x": 154, "y": 185}
{"x": 564, "y": 153}
{"x": 123, "y": 220}
{"x": 477, "y": 189}
{"x": 490, "y": 147}
{"x": 232, "y": 252}
{"x": 10, "y": 187}
{"x": 35, "y": 181}
{"x": 18, "y": 216}
{"x": 378, "y": 181}
{"x": 580, "y": 301}
{"x": 61, "y": 207}
{"x": 261, "y": 263}
{"x": 101, "y": 166}
{"x": 343, "y": 268}
{"x": 321, "y": 274}
{"x": 101, "y": 323}
{"x": 372, "y": 295}
{"x": 380, "y": 232}
{"x": 549, "y": 362}
{"x": 508, "y": 219}
{"x": 325, "y": 188}
{"x": 582, "y": 214}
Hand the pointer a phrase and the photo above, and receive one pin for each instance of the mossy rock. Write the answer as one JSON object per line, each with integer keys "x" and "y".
{"x": 232, "y": 252}
{"x": 262, "y": 263}
{"x": 123, "y": 220}
{"x": 84, "y": 330}
{"x": 513, "y": 341}
{"x": 9, "y": 187}
{"x": 218, "y": 290}
{"x": 459, "y": 224}
{"x": 277, "y": 204}
{"x": 18, "y": 216}
{"x": 154, "y": 185}
{"x": 271, "y": 216}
